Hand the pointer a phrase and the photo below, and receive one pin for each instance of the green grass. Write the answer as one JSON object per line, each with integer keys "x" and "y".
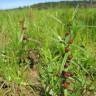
{"x": 46, "y": 28}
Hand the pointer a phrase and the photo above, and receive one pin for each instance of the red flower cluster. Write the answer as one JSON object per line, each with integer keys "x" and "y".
{"x": 65, "y": 74}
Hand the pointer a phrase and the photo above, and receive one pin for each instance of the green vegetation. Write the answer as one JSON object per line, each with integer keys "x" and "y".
{"x": 63, "y": 4}
{"x": 32, "y": 52}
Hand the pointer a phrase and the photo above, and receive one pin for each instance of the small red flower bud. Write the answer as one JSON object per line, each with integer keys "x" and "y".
{"x": 70, "y": 57}
{"x": 71, "y": 40}
{"x": 67, "y": 49}
{"x": 66, "y": 74}
{"x": 66, "y": 85}
{"x": 66, "y": 65}
{"x": 67, "y": 33}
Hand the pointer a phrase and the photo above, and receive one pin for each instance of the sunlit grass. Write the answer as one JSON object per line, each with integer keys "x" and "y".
{"x": 45, "y": 28}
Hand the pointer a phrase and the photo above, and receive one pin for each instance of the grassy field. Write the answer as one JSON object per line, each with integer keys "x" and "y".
{"x": 34, "y": 52}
